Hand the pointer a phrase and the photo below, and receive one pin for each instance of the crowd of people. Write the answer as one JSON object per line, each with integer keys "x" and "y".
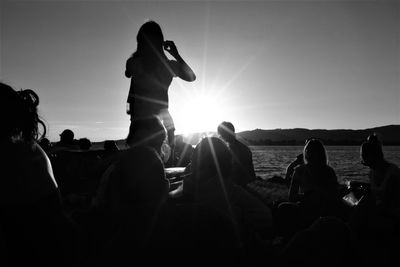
{"x": 132, "y": 214}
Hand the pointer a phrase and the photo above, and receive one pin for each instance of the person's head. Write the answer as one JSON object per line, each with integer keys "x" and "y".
{"x": 67, "y": 137}
{"x": 227, "y": 131}
{"x": 147, "y": 132}
{"x": 19, "y": 114}
{"x": 84, "y": 144}
{"x": 110, "y": 145}
{"x": 314, "y": 153}
{"x": 211, "y": 158}
{"x": 150, "y": 39}
{"x": 371, "y": 151}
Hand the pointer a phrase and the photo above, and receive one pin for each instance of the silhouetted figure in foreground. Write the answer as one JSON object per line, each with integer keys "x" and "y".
{"x": 210, "y": 184}
{"x": 33, "y": 225}
{"x": 327, "y": 242}
{"x": 151, "y": 74}
{"x": 243, "y": 168}
{"x": 376, "y": 218}
{"x": 129, "y": 207}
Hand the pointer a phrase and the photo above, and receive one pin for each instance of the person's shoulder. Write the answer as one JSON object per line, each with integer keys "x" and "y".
{"x": 394, "y": 170}
{"x": 300, "y": 172}
{"x": 39, "y": 152}
{"x": 330, "y": 170}
{"x": 300, "y": 168}
{"x": 242, "y": 146}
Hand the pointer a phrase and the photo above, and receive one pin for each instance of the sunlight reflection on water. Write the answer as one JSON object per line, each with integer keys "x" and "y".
{"x": 272, "y": 161}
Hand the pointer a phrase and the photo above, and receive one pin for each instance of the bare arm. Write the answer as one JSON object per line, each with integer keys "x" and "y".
{"x": 184, "y": 71}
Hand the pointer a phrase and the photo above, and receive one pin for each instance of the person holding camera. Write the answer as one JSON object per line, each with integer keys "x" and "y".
{"x": 151, "y": 73}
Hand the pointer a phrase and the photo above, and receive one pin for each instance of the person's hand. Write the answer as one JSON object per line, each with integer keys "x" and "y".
{"x": 170, "y": 47}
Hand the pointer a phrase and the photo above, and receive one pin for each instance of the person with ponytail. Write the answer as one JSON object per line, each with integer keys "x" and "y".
{"x": 151, "y": 74}
{"x": 30, "y": 202}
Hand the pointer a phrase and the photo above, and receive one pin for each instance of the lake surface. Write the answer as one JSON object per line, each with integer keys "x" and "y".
{"x": 345, "y": 160}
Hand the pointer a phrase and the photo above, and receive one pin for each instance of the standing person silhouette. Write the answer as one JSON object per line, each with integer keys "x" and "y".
{"x": 151, "y": 74}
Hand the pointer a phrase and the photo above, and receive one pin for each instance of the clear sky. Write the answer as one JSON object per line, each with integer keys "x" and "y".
{"x": 259, "y": 64}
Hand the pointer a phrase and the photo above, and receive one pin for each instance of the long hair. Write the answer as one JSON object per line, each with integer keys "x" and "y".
{"x": 19, "y": 114}
{"x": 150, "y": 40}
{"x": 371, "y": 150}
{"x": 315, "y": 153}
{"x": 316, "y": 161}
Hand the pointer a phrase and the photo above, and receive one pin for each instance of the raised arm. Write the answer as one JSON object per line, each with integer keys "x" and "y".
{"x": 182, "y": 70}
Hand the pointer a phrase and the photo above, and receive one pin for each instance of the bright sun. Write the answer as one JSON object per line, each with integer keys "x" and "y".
{"x": 199, "y": 113}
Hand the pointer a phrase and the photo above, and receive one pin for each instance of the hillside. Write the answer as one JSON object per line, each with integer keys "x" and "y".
{"x": 390, "y": 135}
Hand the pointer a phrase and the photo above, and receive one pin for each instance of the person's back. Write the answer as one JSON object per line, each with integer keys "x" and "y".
{"x": 314, "y": 189}
{"x": 327, "y": 242}
{"x": 321, "y": 180}
{"x": 378, "y": 215}
{"x": 150, "y": 88}
{"x": 213, "y": 187}
{"x": 243, "y": 168}
{"x": 242, "y": 158}
{"x": 35, "y": 227}
{"x": 388, "y": 191}
{"x": 32, "y": 175}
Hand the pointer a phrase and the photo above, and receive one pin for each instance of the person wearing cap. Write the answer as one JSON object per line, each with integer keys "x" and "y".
{"x": 66, "y": 143}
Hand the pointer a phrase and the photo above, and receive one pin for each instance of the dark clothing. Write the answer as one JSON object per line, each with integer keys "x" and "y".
{"x": 243, "y": 168}
{"x": 148, "y": 93}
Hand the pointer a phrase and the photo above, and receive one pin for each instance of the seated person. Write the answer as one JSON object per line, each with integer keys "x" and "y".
{"x": 145, "y": 136}
{"x": 384, "y": 178}
{"x": 376, "y": 218}
{"x": 66, "y": 143}
{"x": 243, "y": 169}
{"x": 211, "y": 185}
{"x": 34, "y": 227}
{"x": 314, "y": 183}
{"x": 313, "y": 192}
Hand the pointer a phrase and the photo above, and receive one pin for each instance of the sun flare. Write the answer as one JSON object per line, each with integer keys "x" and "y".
{"x": 200, "y": 112}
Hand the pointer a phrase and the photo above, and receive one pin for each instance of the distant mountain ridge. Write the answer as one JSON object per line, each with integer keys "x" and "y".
{"x": 389, "y": 135}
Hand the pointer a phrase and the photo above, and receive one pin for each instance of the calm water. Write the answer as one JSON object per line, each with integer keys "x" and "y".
{"x": 273, "y": 160}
